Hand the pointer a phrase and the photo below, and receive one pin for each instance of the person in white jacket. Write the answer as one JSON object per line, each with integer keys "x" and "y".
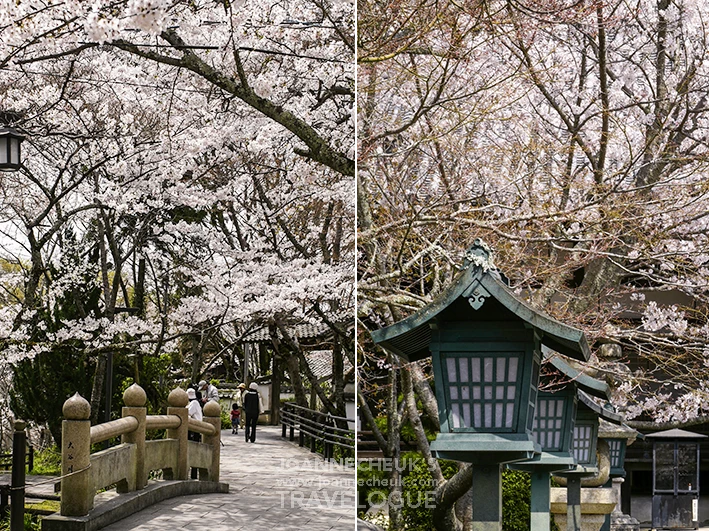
{"x": 209, "y": 392}
{"x": 194, "y": 411}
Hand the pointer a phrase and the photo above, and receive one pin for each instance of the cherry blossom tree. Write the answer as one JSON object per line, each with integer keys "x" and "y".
{"x": 201, "y": 151}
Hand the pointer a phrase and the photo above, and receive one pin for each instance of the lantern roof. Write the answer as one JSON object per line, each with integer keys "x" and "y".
{"x": 585, "y": 382}
{"x": 603, "y": 412}
{"x": 488, "y": 299}
{"x": 622, "y": 431}
{"x": 11, "y": 131}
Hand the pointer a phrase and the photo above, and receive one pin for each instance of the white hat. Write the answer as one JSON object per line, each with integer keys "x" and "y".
{"x": 202, "y": 383}
{"x": 191, "y": 394}
{"x": 253, "y": 385}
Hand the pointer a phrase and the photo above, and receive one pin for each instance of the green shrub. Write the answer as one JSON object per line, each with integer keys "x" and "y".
{"x": 47, "y": 462}
{"x": 516, "y": 494}
{"x": 418, "y": 487}
{"x": 369, "y": 481}
{"x": 226, "y": 420}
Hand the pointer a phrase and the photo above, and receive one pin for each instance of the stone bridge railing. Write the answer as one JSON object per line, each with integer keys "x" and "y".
{"x": 128, "y": 464}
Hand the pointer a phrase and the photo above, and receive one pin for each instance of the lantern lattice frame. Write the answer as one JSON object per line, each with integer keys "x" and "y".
{"x": 10, "y": 149}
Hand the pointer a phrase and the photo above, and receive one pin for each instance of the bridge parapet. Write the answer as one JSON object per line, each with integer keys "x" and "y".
{"x": 128, "y": 464}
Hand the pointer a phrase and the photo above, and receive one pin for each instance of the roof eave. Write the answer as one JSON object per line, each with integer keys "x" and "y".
{"x": 560, "y": 337}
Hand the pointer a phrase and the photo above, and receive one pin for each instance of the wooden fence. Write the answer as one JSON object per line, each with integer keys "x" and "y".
{"x": 322, "y": 431}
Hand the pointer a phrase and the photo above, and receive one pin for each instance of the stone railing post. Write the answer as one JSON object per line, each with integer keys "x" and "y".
{"x": 134, "y": 399}
{"x": 212, "y": 415}
{"x": 77, "y": 496}
{"x": 177, "y": 401}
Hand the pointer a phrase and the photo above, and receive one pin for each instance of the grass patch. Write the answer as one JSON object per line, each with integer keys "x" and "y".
{"x": 47, "y": 462}
{"x": 43, "y": 507}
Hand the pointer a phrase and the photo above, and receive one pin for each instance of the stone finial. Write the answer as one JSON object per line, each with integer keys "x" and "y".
{"x": 178, "y": 398}
{"x": 20, "y": 425}
{"x": 76, "y": 408}
{"x": 212, "y": 409}
{"x": 134, "y": 396}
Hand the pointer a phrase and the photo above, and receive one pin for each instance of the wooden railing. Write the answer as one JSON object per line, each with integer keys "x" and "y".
{"x": 321, "y": 430}
{"x": 12, "y": 495}
{"x": 128, "y": 464}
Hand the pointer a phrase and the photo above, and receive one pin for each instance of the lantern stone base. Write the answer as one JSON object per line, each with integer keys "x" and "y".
{"x": 596, "y": 503}
{"x": 624, "y": 522}
{"x": 619, "y": 520}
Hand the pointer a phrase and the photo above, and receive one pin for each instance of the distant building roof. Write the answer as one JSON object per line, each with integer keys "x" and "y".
{"x": 675, "y": 434}
{"x": 299, "y": 331}
{"x": 320, "y": 363}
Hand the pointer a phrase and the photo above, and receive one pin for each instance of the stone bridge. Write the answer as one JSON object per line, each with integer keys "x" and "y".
{"x": 271, "y": 484}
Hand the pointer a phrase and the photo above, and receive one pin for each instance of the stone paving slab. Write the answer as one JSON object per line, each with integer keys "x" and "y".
{"x": 273, "y": 485}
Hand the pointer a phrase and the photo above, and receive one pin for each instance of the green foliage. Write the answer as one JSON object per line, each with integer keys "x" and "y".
{"x": 42, "y": 384}
{"x": 418, "y": 488}
{"x": 43, "y": 507}
{"x": 155, "y": 379}
{"x": 47, "y": 462}
{"x": 516, "y": 495}
{"x": 226, "y": 420}
{"x": 370, "y": 480}
{"x": 32, "y": 523}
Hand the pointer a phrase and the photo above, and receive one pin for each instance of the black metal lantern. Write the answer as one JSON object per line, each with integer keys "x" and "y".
{"x": 586, "y": 429}
{"x": 585, "y": 436}
{"x": 10, "y": 141}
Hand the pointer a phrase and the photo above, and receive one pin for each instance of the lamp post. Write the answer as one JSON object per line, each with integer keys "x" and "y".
{"x": 486, "y": 347}
{"x": 617, "y": 454}
{"x": 10, "y": 153}
{"x": 583, "y": 448}
{"x": 555, "y": 431}
{"x": 618, "y": 439}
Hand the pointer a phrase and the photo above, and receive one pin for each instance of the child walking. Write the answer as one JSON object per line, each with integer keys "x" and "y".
{"x": 235, "y": 416}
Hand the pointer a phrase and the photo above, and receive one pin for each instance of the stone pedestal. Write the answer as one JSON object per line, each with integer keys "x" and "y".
{"x": 596, "y": 503}
{"x": 77, "y": 493}
{"x": 619, "y": 520}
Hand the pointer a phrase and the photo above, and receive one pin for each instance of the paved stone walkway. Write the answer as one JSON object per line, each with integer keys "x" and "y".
{"x": 273, "y": 485}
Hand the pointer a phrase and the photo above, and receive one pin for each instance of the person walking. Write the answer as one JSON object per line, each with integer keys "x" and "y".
{"x": 194, "y": 411}
{"x": 252, "y": 407}
{"x": 235, "y": 414}
{"x": 239, "y": 398}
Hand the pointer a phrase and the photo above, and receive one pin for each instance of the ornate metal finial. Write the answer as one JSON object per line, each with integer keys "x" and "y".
{"x": 479, "y": 254}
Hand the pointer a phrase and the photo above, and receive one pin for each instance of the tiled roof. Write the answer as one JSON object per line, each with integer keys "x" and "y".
{"x": 320, "y": 362}
{"x": 300, "y": 331}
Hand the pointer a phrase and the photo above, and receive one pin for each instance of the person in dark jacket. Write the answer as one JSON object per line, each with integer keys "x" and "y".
{"x": 252, "y": 409}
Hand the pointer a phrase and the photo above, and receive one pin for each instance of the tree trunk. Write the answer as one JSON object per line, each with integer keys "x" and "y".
{"x": 97, "y": 389}
{"x": 293, "y": 368}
